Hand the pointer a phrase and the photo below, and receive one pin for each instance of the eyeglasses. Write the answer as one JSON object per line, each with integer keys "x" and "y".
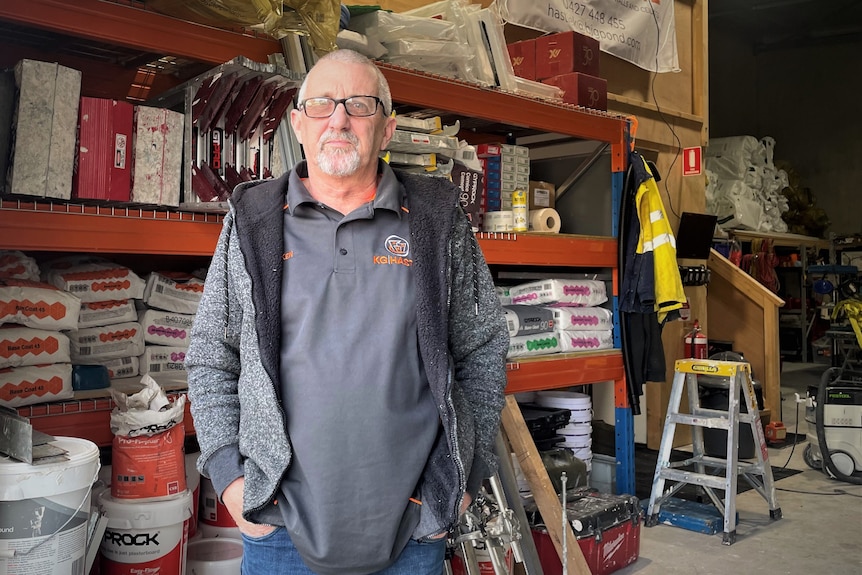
{"x": 357, "y": 106}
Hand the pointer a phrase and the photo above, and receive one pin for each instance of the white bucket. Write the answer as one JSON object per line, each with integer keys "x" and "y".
{"x": 212, "y": 511}
{"x": 44, "y": 511}
{"x": 208, "y": 531}
{"x": 214, "y": 557}
{"x": 145, "y": 536}
{"x": 193, "y": 484}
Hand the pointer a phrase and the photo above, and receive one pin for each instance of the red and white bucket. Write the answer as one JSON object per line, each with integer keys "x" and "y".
{"x": 45, "y": 510}
{"x": 145, "y": 536}
{"x": 193, "y": 484}
{"x": 222, "y": 556}
{"x": 215, "y": 519}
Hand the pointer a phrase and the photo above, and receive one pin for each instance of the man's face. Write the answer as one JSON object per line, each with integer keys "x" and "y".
{"x": 342, "y": 145}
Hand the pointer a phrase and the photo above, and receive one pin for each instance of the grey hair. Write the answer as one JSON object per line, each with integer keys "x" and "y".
{"x": 351, "y": 57}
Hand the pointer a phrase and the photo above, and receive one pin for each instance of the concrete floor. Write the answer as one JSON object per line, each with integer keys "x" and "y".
{"x": 820, "y": 532}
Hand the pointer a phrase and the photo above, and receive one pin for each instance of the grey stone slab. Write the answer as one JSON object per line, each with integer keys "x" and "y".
{"x": 45, "y": 124}
{"x": 158, "y": 155}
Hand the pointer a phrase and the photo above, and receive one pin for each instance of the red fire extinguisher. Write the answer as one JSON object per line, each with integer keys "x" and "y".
{"x": 695, "y": 343}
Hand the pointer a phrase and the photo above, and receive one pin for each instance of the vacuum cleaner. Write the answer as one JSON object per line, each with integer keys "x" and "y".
{"x": 834, "y": 412}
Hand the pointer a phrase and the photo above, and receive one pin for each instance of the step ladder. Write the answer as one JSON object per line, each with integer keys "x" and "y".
{"x": 759, "y": 474}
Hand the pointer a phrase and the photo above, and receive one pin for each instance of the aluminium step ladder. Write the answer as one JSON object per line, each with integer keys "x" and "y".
{"x": 759, "y": 474}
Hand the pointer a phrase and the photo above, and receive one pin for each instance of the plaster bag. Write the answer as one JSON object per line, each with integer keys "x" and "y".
{"x": 148, "y": 459}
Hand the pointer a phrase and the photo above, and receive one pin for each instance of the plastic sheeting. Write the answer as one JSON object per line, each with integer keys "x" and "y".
{"x": 318, "y": 19}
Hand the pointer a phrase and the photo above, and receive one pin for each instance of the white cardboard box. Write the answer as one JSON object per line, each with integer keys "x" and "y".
{"x": 45, "y": 124}
{"x": 158, "y": 156}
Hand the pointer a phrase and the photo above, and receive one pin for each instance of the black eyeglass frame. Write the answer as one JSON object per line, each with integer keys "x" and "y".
{"x": 342, "y": 101}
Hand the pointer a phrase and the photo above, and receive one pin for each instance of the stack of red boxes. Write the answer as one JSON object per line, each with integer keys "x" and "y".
{"x": 567, "y": 60}
{"x": 489, "y": 156}
{"x": 523, "y": 57}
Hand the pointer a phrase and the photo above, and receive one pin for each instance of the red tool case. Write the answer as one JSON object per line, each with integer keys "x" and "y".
{"x": 606, "y": 526}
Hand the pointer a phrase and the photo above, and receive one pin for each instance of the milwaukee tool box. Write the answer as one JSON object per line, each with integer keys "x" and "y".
{"x": 606, "y": 526}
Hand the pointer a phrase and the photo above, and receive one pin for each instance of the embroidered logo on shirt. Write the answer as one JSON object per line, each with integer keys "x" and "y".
{"x": 397, "y": 245}
{"x": 399, "y": 248}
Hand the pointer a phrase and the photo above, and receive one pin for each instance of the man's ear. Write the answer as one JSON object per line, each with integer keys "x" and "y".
{"x": 296, "y": 118}
{"x": 388, "y": 131}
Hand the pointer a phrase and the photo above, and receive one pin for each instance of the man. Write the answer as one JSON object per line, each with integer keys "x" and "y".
{"x": 347, "y": 363}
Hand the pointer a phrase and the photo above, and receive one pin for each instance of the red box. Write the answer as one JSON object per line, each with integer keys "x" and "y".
{"x": 607, "y": 528}
{"x": 488, "y": 150}
{"x": 582, "y": 89}
{"x": 566, "y": 52}
{"x": 103, "y": 167}
{"x": 523, "y": 56}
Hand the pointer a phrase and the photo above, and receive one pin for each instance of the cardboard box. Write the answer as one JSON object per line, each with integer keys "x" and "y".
{"x": 45, "y": 126}
{"x": 7, "y": 109}
{"x": 523, "y": 57}
{"x": 541, "y": 195}
{"x": 566, "y": 52}
{"x": 158, "y": 156}
{"x": 472, "y": 185}
{"x": 104, "y": 167}
{"x": 582, "y": 90}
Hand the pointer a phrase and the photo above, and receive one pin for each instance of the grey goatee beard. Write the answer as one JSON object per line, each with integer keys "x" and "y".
{"x": 338, "y": 162}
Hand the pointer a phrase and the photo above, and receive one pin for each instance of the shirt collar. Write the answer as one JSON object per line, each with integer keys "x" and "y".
{"x": 390, "y": 194}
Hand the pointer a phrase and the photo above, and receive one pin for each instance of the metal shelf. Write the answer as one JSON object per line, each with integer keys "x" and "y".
{"x": 537, "y": 249}
{"x": 86, "y": 418}
{"x": 58, "y": 227}
{"x": 90, "y": 418}
{"x": 55, "y": 226}
{"x": 564, "y": 370}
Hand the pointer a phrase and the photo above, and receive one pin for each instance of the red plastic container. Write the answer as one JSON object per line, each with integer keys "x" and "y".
{"x": 607, "y": 528}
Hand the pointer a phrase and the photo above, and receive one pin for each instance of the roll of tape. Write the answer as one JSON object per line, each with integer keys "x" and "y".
{"x": 545, "y": 220}
{"x": 498, "y": 221}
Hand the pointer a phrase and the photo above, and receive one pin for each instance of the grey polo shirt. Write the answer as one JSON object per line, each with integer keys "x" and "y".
{"x": 359, "y": 411}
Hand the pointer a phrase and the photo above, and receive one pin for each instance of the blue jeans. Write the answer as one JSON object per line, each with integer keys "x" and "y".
{"x": 274, "y": 554}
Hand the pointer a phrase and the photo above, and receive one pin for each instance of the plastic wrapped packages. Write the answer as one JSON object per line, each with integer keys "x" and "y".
{"x": 429, "y": 44}
{"x": 744, "y": 188}
{"x": 434, "y": 56}
{"x": 386, "y": 27}
{"x": 734, "y": 204}
{"x": 350, "y": 40}
{"x": 458, "y": 23}
{"x": 318, "y": 19}
{"x": 731, "y": 157}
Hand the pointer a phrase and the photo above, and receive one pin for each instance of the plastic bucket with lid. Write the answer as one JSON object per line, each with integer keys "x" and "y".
{"x": 215, "y": 519}
{"x": 193, "y": 484}
{"x": 44, "y": 511}
{"x": 145, "y": 536}
{"x": 222, "y": 556}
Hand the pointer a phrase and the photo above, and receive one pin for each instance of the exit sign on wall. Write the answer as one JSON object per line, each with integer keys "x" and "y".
{"x": 691, "y": 158}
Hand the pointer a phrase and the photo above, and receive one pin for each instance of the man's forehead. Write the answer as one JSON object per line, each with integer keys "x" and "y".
{"x": 328, "y": 76}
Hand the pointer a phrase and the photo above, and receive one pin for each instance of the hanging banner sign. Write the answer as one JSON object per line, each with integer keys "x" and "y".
{"x": 638, "y": 31}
